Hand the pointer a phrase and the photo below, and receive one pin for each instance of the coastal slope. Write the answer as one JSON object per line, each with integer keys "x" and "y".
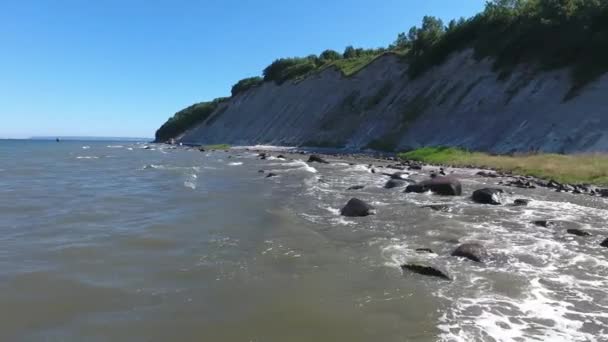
{"x": 462, "y": 102}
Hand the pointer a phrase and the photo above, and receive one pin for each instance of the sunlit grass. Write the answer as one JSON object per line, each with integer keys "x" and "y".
{"x": 575, "y": 168}
{"x": 216, "y": 147}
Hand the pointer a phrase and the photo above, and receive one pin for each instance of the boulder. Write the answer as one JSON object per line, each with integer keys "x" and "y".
{"x": 280, "y": 156}
{"x": 487, "y": 174}
{"x": 356, "y": 187}
{"x": 446, "y": 186}
{"x": 271, "y": 175}
{"x": 316, "y": 159}
{"x": 488, "y": 196}
{"x": 357, "y": 208}
{"x": 394, "y": 183}
{"x": 578, "y": 232}
{"x": 415, "y": 167}
{"x": 604, "y": 243}
{"x": 425, "y": 270}
{"x": 472, "y": 251}
{"x": 398, "y": 175}
{"x": 544, "y": 223}
{"x": 424, "y": 250}
{"x": 437, "y": 207}
{"x": 520, "y": 202}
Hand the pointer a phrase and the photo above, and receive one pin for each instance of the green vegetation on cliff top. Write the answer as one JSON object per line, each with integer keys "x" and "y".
{"x": 579, "y": 168}
{"x": 549, "y": 34}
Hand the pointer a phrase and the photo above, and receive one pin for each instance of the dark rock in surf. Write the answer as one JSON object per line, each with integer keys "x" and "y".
{"x": 357, "y": 208}
{"x": 544, "y": 223}
{"x": 486, "y": 174}
{"x": 578, "y": 232}
{"x": 271, "y": 175}
{"x": 398, "y": 175}
{"x": 437, "y": 207}
{"x": 280, "y": 156}
{"x": 356, "y": 187}
{"x": 424, "y": 250}
{"x": 261, "y": 171}
{"x": 395, "y": 167}
{"x": 604, "y": 243}
{"x": 520, "y": 202}
{"x": 446, "y": 186}
{"x": 394, "y": 183}
{"x": 472, "y": 251}
{"x": 488, "y": 196}
{"x": 425, "y": 270}
{"x": 415, "y": 167}
{"x": 316, "y": 159}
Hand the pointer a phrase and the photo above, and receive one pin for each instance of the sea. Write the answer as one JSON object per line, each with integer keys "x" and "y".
{"x": 131, "y": 241}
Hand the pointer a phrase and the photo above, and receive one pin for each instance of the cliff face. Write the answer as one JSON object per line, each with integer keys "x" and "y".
{"x": 460, "y": 103}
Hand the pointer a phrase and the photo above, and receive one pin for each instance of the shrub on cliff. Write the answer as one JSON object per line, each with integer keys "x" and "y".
{"x": 246, "y": 84}
{"x": 186, "y": 118}
{"x": 551, "y": 34}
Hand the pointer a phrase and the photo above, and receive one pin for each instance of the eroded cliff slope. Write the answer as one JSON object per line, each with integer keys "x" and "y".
{"x": 462, "y": 102}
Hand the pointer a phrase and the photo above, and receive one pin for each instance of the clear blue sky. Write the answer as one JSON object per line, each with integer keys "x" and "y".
{"x": 122, "y": 67}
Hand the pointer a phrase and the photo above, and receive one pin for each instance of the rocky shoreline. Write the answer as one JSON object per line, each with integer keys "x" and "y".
{"x": 443, "y": 180}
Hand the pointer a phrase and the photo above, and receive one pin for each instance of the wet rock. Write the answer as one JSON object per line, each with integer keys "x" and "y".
{"x": 201, "y": 149}
{"x": 602, "y": 192}
{"x": 395, "y": 167}
{"x": 357, "y": 208}
{"x": 446, "y": 186}
{"x": 544, "y": 223}
{"x": 261, "y": 171}
{"x": 398, "y": 175}
{"x": 520, "y": 202}
{"x": 356, "y": 187}
{"x": 604, "y": 243}
{"x": 437, "y": 207}
{"x": 316, "y": 159}
{"x": 425, "y": 270}
{"x": 488, "y": 196}
{"x": 520, "y": 183}
{"x": 415, "y": 167}
{"x": 394, "y": 183}
{"x": 424, "y": 250}
{"x": 472, "y": 251}
{"x": 280, "y": 156}
{"x": 271, "y": 175}
{"x": 486, "y": 174}
{"x": 578, "y": 232}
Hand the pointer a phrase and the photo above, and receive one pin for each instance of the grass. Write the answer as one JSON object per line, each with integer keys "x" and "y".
{"x": 216, "y": 147}
{"x": 573, "y": 169}
{"x": 351, "y": 66}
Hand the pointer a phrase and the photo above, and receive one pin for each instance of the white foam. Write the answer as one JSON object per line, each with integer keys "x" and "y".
{"x": 87, "y": 157}
{"x": 86, "y": 147}
{"x": 114, "y": 146}
{"x": 235, "y": 163}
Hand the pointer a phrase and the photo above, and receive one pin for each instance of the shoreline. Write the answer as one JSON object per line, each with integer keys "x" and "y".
{"x": 386, "y": 160}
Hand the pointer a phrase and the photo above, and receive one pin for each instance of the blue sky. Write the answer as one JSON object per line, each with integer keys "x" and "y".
{"x": 122, "y": 67}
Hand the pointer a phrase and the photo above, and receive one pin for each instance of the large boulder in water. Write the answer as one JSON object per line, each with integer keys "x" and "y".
{"x": 394, "y": 183}
{"x": 578, "y": 232}
{"x": 472, "y": 251}
{"x": 446, "y": 186}
{"x": 488, "y": 196}
{"x": 425, "y": 270}
{"x": 316, "y": 159}
{"x": 357, "y": 208}
{"x": 604, "y": 243}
